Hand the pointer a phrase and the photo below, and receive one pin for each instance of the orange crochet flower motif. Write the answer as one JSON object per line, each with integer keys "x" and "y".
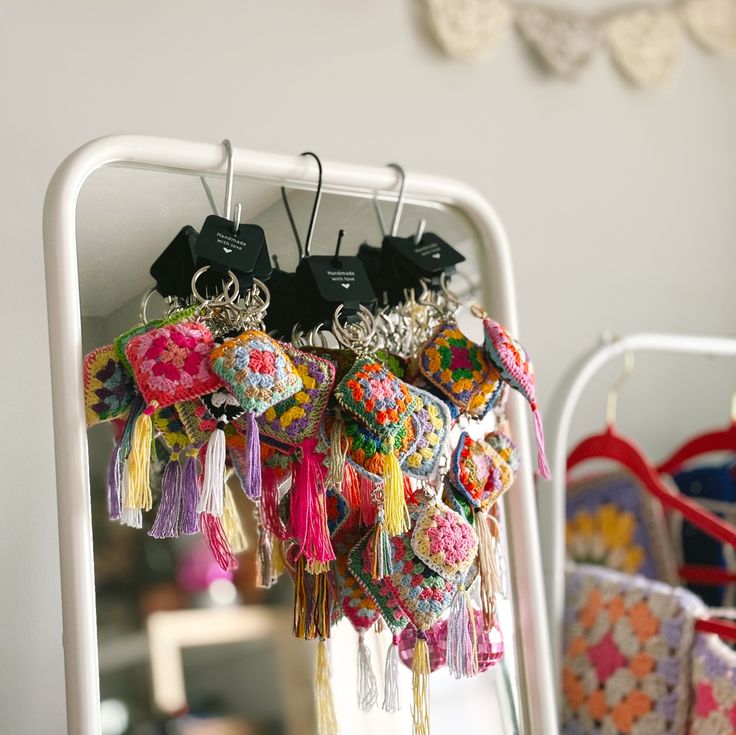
{"x": 630, "y": 709}
{"x": 641, "y": 665}
{"x": 594, "y": 606}
{"x": 573, "y": 689}
{"x": 644, "y": 624}
{"x": 597, "y": 704}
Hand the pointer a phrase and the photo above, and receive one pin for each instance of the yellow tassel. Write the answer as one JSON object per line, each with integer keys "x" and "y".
{"x": 139, "y": 465}
{"x": 395, "y": 512}
{"x": 326, "y": 719}
{"x": 420, "y": 687}
{"x": 231, "y": 525}
{"x": 277, "y": 558}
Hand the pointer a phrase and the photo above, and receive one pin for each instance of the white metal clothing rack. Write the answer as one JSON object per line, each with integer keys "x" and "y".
{"x": 72, "y": 476}
{"x": 551, "y": 497}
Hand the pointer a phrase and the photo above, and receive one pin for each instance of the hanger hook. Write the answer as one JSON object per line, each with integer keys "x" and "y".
{"x": 400, "y": 201}
{"x": 315, "y": 208}
{"x": 229, "y": 180}
{"x": 613, "y": 391}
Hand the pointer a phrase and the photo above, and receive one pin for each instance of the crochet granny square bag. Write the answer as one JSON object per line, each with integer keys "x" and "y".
{"x": 714, "y": 687}
{"x": 628, "y": 644}
{"x": 460, "y": 369}
{"x": 614, "y": 522}
{"x": 108, "y": 388}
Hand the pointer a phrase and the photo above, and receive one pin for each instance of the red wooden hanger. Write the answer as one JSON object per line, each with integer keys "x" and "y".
{"x": 610, "y": 445}
{"x": 723, "y": 628}
{"x": 720, "y": 440}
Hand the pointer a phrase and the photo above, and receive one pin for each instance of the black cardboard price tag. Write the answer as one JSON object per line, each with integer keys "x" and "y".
{"x": 430, "y": 256}
{"x": 174, "y": 268}
{"x": 219, "y": 245}
{"x": 340, "y": 280}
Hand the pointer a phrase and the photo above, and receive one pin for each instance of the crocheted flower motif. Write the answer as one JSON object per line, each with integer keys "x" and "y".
{"x": 459, "y": 368}
{"x": 170, "y": 427}
{"x": 367, "y": 451}
{"x": 375, "y": 397}
{"x": 108, "y": 388}
{"x": 627, "y": 652}
{"x": 198, "y": 422}
{"x": 478, "y": 472}
{"x": 172, "y": 363}
{"x": 357, "y": 606}
{"x": 510, "y": 358}
{"x": 256, "y": 369}
{"x": 423, "y": 594}
{"x": 444, "y": 540}
{"x": 297, "y": 418}
{"x": 605, "y": 535}
{"x": 433, "y": 422}
{"x": 714, "y": 686}
{"x": 379, "y": 590}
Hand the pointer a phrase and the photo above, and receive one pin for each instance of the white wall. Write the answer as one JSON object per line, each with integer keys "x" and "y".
{"x": 619, "y": 203}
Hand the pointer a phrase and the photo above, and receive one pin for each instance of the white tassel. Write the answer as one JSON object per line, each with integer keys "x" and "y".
{"x": 392, "y": 691}
{"x": 367, "y": 684}
{"x": 132, "y": 517}
{"x": 212, "y": 499}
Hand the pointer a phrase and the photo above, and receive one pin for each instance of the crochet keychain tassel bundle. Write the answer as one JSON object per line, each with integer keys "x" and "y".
{"x": 114, "y": 480}
{"x": 253, "y": 478}
{"x": 231, "y": 525}
{"x": 169, "y": 510}
{"x": 139, "y": 495}
{"x": 190, "y": 494}
{"x": 396, "y": 515}
{"x": 326, "y": 719}
{"x": 462, "y": 639}
{"x": 392, "y": 688}
{"x": 420, "y": 686}
{"x": 214, "y": 535}
{"x": 212, "y": 499}
{"x": 488, "y": 569}
{"x": 367, "y": 684}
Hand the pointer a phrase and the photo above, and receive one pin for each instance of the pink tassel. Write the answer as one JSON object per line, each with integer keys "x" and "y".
{"x": 367, "y": 501}
{"x": 542, "y": 465}
{"x": 351, "y": 487}
{"x": 270, "y": 517}
{"x": 308, "y": 512}
{"x": 215, "y": 538}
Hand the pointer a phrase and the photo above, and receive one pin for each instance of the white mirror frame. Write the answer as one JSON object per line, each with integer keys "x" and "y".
{"x": 537, "y": 698}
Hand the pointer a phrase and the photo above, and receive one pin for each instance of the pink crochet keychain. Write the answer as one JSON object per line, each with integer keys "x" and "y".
{"x": 516, "y": 368}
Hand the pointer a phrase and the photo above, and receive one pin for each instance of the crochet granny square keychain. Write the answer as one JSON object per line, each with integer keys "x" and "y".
{"x": 296, "y": 422}
{"x": 516, "y": 368}
{"x": 447, "y": 544}
{"x": 382, "y": 403}
{"x": 108, "y": 387}
{"x": 170, "y": 363}
{"x": 258, "y": 373}
{"x": 424, "y": 595}
{"x": 433, "y": 424}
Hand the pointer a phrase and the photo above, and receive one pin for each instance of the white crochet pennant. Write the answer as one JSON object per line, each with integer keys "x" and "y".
{"x": 563, "y": 40}
{"x": 712, "y": 23}
{"x": 468, "y": 29}
{"x": 645, "y": 44}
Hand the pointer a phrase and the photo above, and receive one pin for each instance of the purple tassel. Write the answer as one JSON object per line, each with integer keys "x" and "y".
{"x": 190, "y": 495}
{"x": 166, "y": 524}
{"x": 113, "y": 484}
{"x": 462, "y": 641}
{"x": 252, "y": 480}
